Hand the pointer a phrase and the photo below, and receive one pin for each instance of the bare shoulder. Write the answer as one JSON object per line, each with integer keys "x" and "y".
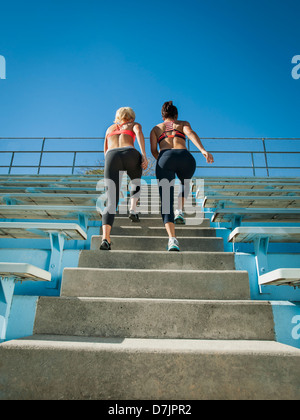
{"x": 184, "y": 123}
{"x": 137, "y": 126}
{"x": 110, "y": 128}
{"x": 159, "y": 126}
{"x": 157, "y": 129}
{"x": 186, "y": 127}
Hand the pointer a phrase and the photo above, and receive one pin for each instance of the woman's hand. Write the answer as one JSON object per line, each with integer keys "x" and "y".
{"x": 208, "y": 156}
{"x": 144, "y": 162}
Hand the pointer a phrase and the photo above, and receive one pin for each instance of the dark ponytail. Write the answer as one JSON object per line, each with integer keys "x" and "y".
{"x": 169, "y": 110}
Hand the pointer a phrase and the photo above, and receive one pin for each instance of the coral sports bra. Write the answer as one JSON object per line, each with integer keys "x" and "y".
{"x": 119, "y": 131}
{"x": 169, "y": 127}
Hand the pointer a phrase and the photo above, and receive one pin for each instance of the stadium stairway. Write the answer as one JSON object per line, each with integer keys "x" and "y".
{"x": 142, "y": 323}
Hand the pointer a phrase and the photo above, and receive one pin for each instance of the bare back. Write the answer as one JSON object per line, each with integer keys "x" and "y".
{"x": 114, "y": 141}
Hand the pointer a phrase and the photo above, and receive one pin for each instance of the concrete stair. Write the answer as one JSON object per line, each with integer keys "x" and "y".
{"x": 155, "y": 284}
{"x": 159, "y": 243}
{"x": 155, "y": 318}
{"x": 63, "y": 367}
{"x": 156, "y": 221}
{"x": 141, "y": 323}
{"x": 169, "y": 261}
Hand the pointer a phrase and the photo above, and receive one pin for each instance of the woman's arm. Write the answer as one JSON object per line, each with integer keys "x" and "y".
{"x": 153, "y": 142}
{"x": 137, "y": 128}
{"x": 105, "y": 143}
{"x": 187, "y": 129}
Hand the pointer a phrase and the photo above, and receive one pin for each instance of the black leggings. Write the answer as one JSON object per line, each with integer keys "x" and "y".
{"x": 172, "y": 162}
{"x": 119, "y": 160}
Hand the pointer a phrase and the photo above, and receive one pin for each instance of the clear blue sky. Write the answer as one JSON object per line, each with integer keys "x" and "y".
{"x": 226, "y": 64}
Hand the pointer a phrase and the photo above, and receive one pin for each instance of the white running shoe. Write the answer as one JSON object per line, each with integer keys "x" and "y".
{"x": 179, "y": 217}
{"x": 173, "y": 245}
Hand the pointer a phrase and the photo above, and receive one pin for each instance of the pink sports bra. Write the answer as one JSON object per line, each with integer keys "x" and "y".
{"x": 119, "y": 131}
{"x": 169, "y": 127}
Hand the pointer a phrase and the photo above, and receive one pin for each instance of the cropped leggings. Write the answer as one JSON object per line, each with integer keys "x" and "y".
{"x": 116, "y": 162}
{"x": 172, "y": 162}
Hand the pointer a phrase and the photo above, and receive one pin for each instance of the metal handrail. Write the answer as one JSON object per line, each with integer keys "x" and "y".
{"x": 252, "y": 152}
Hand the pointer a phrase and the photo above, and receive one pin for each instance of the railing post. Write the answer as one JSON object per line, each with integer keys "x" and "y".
{"x": 73, "y": 166}
{"x": 253, "y": 165}
{"x": 265, "y": 154}
{"x": 11, "y": 163}
{"x": 41, "y": 155}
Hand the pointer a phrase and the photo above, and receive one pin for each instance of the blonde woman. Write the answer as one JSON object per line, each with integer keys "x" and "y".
{"x": 120, "y": 155}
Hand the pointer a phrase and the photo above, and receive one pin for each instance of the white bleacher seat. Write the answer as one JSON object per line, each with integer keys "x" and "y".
{"x": 57, "y": 233}
{"x": 252, "y": 182}
{"x": 19, "y": 189}
{"x": 10, "y": 272}
{"x": 275, "y": 234}
{"x": 37, "y": 230}
{"x": 23, "y": 271}
{"x": 257, "y": 215}
{"x": 42, "y": 198}
{"x": 215, "y": 201}
{"x": 248, "y": 192}
{"x": 281, "y": 276}
{"x": 47, "y": 212}
{"x": 36, "y": 182}
{"x": 221, "y": 185}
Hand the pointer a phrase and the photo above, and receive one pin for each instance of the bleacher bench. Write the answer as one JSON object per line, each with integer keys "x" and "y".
{"x": 56, "y": 232}
{"x": 222, "y": 183}
{"x": 9, "y": 274}
{"x": 281, "y": 276}
{"x": 23, "y": 271}
{"x": 261, "y": 236}
{"x": 247, "y": 192}
{"x": 275, "y": 234}
{"x": 41, "y": 198}
{"x": 16, "y": 189}
{"x": 256, "y": 215}
{"x": 215, "y": 201}
{"x": 38, "y": 230}
{"x": 47, "y": 212}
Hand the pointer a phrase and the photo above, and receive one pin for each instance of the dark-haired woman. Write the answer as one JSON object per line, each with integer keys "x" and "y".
{"x": 174, "y": 159}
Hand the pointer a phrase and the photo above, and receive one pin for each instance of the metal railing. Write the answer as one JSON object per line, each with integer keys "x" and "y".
{"x": 255, "y": 157}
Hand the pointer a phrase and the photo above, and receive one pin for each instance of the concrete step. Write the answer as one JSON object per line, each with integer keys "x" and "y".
{"x": 62, "y": 367}
{"x": 123, "y": 212}
{"x": 155, "y": 318}
{"x": 156, "y": 200}
{"x": 150, "y": 195}
{"x": 152, "y": 220}
{"x": 157, "y": 259}
{"x": 161, "y": 284}
{"x": 153, "y": 207}
{"x": 136, "y": 230}
{"x": 152, "y": 211}
{"x": 159, "y": 243}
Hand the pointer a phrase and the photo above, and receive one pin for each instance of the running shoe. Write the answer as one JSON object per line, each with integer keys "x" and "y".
{"x": 105, "y": 245}
{"x": 179, "y": 217}
{"x": 173, "y": 245}
{"x": 134, "y": 217}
